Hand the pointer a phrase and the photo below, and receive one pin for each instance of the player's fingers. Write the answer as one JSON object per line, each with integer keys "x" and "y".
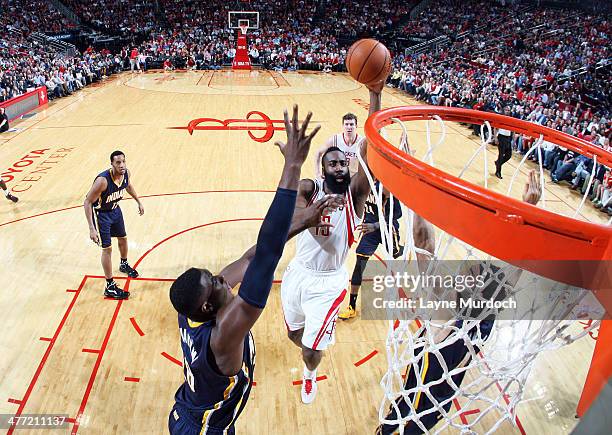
{"x": 313, "y": 133}
{"x": 321, "y": 204}
{"x": 287, "y": 124}
{"x": 279, "y": 144}
{"x": 305, "y": 124}
{"x": 295, "y": 118}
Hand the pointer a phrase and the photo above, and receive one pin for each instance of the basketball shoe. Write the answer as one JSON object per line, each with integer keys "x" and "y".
{"x": 113, "y": 291}
{"x": 11, "y": 197}
{"x": 309, "y": 389}
{"x": 126, "y": 268}
{"x": 348, "y": 313}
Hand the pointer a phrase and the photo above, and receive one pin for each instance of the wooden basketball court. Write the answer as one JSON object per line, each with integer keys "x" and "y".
{"x": 199, "y": 147}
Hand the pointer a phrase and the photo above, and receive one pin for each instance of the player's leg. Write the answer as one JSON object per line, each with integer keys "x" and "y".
{"x": 180, "y": 422}
{"x": 356, "y": 279}
{"x": 312, "y": 359}
{"x": 6, "y": 192}
{"x": 290, "y": 301}
{"x": 104, "y": 223}
{"x": 296, "y": 336}
{"x": 428, "y": 369}
{"x": 431, "y": 368}
{"x": 367, "y": 246}
{"x": 321, "y": 304}
{"x": 118, "y": 230}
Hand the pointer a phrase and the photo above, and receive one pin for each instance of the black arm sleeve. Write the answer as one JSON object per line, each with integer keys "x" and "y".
{"x": 271, "y": 241}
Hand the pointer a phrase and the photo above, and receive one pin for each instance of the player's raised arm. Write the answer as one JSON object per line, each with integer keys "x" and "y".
{"x": 94, "y": 193}
{"x": 360, "y": 186}
{"x": 235, "y": 321}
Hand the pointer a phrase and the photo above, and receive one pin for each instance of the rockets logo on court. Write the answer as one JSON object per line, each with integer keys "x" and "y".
{"x": 255, "y": 121}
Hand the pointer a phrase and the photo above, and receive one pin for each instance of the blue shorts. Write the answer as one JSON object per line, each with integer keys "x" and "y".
{"x": 182, "y": 422}
{"x": 109, "y": 224}
{"x": 369, "y": 242}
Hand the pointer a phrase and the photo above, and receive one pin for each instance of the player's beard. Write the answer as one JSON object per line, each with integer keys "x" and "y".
{"x": 336, "y": 187}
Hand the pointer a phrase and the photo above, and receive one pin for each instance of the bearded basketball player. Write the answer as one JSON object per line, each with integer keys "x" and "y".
{"x": 315, "y": 281}
{"x": 218, "y": 348}
{"x": 349, "y": 141}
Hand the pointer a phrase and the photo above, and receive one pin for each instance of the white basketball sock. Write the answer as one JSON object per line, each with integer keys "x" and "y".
{"x": 310, "y": 374}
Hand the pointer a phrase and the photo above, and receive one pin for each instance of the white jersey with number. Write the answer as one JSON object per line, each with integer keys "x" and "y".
{"x": 325, "y": 249}
{"x": 349, "y": 149}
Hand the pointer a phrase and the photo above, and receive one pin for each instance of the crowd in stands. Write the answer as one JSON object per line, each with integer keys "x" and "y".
{"x": 547, "y": 76}
{"x": 26, "y": 65}
{"x": 124, "y": 16}
{"x": 289, "y": 38}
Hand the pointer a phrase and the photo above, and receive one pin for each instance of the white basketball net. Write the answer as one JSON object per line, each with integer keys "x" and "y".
{"x": 495, "y": 368}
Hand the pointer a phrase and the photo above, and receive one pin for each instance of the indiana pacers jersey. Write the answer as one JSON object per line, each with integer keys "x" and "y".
{"x": 350, "y": 150}
{"x": 211, "y": 398}
{"x": 371, "y": 209}
{"x": 109, "y": 199}
{"x": 325, "y": 249}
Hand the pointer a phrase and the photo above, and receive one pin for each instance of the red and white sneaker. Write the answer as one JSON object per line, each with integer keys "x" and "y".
{"x": 309, "y": 390}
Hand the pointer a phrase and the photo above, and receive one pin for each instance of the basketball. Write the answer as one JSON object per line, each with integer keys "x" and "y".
{"x": 368, "y": 61}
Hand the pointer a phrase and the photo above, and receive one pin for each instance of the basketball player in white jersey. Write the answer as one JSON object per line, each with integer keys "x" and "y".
{"x": 315, "y": 282}
{"x": 349, "y": 141}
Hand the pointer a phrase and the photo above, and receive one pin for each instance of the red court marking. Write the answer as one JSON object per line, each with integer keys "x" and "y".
{"x": 105, "y": 341}
{"x": 142, "y": 196}
{"x": 505, "y": 396}
{"x": 319, "y": 378}
{"x": 136, "y": 327}
{"x": 128, "y": 379}
{"x": 366, "y": 358}
{"x": 15, "y": 401}
{"x": 254, "y": 383}
{"x": 187, "y": 230}
{"x": 94, "y": 372}
{"x": 461, "y": 414}
{"x": 43, "y": 361}
{"x": 70, "y": 420}
{"x": 154, "y": 279}
{"x": 45, "y": 339}
{"x": 70, "y": 290}
{"x": 472, "y": 411}
{"x": 91, "y": 350}
{"x": 171, "y": 358}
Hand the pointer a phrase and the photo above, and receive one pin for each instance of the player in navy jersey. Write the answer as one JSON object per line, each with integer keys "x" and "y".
{"x": 105, "y": 219}
{"x": 214, "y": 325}
{"x": 370, "y": 239}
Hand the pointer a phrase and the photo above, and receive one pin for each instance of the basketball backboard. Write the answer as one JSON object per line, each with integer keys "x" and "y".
{"x": 236, "y": 19}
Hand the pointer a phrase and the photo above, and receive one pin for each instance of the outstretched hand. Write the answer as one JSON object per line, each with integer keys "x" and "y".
{"x": 533, "y": 190}
{"x": 325, "y": 205}
{"x": 296, "y": 149}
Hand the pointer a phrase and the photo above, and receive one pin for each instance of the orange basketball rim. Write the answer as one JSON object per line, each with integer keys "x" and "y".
{"x": 504, "y": 227}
